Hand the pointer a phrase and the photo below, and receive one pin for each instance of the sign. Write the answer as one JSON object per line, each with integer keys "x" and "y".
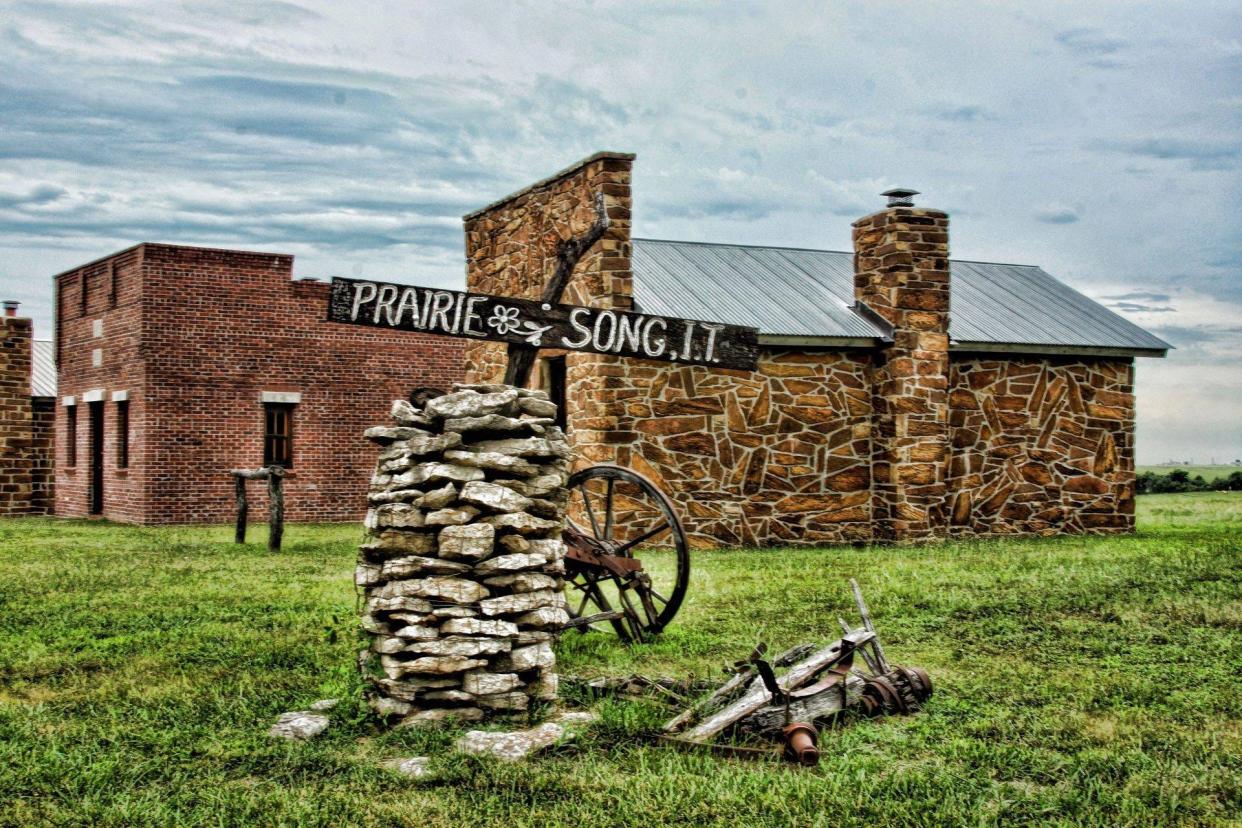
{"x": 537, "y": 324}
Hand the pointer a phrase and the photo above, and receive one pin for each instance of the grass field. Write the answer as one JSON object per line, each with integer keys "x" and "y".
{"x": 1208, "y": 473}
{"x": 1080, "y": 681}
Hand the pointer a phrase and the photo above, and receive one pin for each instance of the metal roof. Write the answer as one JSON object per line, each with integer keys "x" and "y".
{"x": 793, "y": 292}
{"x": 775, "y": 289}
{"x": 42, "y": 368}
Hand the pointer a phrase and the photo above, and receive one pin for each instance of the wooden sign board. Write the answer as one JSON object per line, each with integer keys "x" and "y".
{"x": 536, "y": 324}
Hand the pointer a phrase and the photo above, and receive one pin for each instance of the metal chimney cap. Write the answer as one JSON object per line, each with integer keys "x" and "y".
{"x": 10, "y": 307}
{"x": 900, "y": 197}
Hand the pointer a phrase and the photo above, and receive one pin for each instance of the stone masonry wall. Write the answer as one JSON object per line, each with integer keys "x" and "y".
{"x": 822, "y": 447}
{"x": 511, "y": 246}
{"x": 462, "y": 566}
{"x": 901, "y": 272}
{"x": 1042, "y": 446}
{"x": 16, "y": 417}
{"x": 780, "y": 455}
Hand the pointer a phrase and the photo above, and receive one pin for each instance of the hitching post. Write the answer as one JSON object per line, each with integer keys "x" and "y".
{"x": 274, "y": 475}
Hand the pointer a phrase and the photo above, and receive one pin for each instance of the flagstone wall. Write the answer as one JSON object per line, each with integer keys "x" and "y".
{"x": 1041, "y": 446}
{"x": 780, "y": 455}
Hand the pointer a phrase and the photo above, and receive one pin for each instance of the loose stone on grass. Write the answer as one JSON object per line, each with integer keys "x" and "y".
{"x": 511, "y": 747}
{"x": 416, "y": 767}
{"x": 299, "y": 725}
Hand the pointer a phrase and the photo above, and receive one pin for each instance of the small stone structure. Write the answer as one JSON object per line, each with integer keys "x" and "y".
{"x": 462, "y": 566}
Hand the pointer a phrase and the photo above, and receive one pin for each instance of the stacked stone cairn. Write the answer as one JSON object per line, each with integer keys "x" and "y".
{"x": 462, "y": 568}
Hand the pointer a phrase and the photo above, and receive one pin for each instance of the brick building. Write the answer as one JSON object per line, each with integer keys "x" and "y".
{"x": 899, "y": 395}
{"x": 27, "y": 405}
{"x": 177, "y": 364}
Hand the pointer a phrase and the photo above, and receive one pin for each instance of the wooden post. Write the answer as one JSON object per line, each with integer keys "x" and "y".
{"x": 276, "y": 502}
{"x": 274, "y": 475}
{"x": 239, "y": 488}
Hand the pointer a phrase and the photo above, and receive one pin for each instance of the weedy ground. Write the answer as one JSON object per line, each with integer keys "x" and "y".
{"x": 1079, "y": 681}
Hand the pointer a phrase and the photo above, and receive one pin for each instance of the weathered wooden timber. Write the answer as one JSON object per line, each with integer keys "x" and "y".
{"x": 274, "y": 475}
{"x": 534, "y": 324}
{"x": 758, "y": 695}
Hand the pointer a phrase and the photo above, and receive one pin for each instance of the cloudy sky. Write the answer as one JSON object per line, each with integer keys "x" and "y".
{"x": 1102, "y": 141}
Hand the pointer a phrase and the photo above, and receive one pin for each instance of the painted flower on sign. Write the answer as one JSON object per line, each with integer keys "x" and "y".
{"x": 504, "y": 319}
{"x": 534, "y": 333}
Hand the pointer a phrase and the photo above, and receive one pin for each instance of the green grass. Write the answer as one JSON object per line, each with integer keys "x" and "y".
{"x": 1208, "y": 473}
{"x": 1080, "y": 681}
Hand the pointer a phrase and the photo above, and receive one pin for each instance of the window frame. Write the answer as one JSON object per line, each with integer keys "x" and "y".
{"x": 271, "y": 439}
{"x": 122, "y": 434}
{"x": 71, "y": 436}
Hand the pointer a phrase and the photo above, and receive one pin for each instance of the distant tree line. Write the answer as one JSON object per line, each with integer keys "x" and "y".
{"x": 1179, "y": 480}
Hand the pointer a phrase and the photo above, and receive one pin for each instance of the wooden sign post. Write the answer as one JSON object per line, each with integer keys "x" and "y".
{"x": 528, "y": 325}
{"x": 533, "y": 324}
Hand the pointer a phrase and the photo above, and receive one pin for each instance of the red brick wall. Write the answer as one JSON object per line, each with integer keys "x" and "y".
{"x": 114, "y": 297}
{"x": 196, "y": 338}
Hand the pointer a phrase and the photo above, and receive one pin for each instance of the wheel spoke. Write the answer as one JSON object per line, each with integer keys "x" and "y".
{"x": 641, "y": 505}
{"x": 650, "y": 533}
{"x": 608, "y": 510}
{"x": 586, "y": 501}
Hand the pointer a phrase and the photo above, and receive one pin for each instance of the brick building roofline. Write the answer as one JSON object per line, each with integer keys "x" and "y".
{"x": 167, "y": 246}
{"x": 551, "y": 179}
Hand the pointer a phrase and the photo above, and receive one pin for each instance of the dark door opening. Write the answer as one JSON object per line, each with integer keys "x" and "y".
{"x": 556, "y": 386}
{"x": 97, "y": 455}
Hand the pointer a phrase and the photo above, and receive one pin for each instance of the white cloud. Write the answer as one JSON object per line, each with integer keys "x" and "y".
{"x": 1099, "y": 142}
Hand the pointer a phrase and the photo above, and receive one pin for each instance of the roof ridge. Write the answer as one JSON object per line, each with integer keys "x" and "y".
{"x": 806, "y": 250}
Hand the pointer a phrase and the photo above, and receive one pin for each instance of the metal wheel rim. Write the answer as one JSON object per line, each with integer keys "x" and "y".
{"x": 676, "y": 538}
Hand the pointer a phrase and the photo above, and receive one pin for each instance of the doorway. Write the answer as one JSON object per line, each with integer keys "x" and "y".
{"x": 555, "y": 367}
{"x": 95, "y": 492}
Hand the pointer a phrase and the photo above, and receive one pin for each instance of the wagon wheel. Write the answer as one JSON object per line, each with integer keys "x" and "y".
{"x": 616, "y": 515}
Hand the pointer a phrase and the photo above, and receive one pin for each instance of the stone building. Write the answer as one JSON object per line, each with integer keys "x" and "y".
{"x": 27, "y": 405}
{"x": 899, "y": 395}
{"x": 177, "y": 364}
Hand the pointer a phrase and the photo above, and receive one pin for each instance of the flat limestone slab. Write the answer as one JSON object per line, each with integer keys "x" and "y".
{"x": 511, "y": 746}
{"x": 299, "y": 725}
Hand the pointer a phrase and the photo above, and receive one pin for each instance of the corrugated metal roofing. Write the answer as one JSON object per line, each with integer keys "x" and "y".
{"x": 777, "y": 290}
{"x": 42, "y": 368}
{"x": 795, "y": 292}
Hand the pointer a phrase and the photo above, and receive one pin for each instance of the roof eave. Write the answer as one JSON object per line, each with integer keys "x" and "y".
{"x": 801, "y": 341}
{"x": 1055, "y": 350}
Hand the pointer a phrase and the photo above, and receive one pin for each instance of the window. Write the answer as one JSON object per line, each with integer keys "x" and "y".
{"x": 71, "y": 435}
{"x": 122, "y": 434}
{"x": 278, "y": 434}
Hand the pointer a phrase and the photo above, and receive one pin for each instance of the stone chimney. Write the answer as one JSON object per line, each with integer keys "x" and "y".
{"x": 901, "y": 272}
{"x": 16, "y": 417}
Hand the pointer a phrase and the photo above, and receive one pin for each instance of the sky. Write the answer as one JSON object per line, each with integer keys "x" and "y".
{"x": 1101, "y": 141}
